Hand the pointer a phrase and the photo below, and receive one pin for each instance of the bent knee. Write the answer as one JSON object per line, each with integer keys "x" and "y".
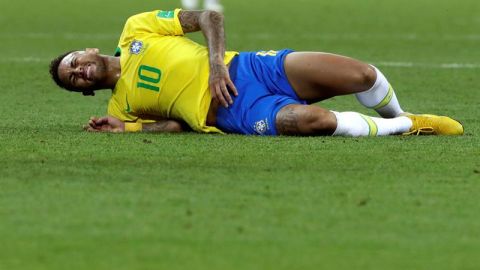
{"x": 365, "y": 77}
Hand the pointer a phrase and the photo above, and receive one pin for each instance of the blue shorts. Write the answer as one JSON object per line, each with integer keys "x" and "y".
{"x": 263, "y": 89}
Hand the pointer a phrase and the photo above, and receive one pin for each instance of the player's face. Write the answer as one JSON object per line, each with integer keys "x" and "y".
{"x": 82, "y": 70}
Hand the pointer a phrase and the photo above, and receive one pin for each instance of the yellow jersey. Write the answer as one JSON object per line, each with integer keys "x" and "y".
{"x": 164, "y": 75}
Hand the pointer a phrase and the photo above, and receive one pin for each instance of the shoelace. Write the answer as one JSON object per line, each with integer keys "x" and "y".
{"x": 421, "y": 131}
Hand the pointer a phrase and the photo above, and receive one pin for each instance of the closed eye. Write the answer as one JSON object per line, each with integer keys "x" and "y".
{"x": 73, "y": 64}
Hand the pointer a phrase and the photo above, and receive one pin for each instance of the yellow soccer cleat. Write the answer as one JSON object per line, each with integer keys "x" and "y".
{"x": 429, "y": 124}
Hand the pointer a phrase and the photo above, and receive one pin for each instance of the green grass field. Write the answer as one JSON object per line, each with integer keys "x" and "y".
{"x": 74, "y": 200}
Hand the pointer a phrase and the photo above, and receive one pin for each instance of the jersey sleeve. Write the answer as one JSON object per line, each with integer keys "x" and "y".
{"x": 117, "y": 110}
{"x": 160, "y": 22}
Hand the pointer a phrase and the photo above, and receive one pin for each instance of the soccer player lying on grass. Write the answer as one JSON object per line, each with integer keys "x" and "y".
{"x": 161, "y": 80}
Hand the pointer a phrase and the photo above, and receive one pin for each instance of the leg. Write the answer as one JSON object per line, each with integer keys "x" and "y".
{"x": 317, "y": 76}
{"x": 310, "y": 120}
{"x": 305, "y": 120}
{"x": 381, "y": 97}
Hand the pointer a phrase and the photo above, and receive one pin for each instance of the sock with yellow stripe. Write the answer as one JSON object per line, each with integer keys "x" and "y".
{"x": 353, "y": 124}
{"x": 381, "y": 97}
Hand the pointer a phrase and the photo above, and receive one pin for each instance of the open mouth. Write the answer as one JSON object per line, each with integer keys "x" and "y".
{"x": 89, "y": 72}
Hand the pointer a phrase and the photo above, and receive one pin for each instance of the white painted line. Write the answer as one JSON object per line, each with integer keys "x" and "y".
{"x": 394, "y": 64}
{"x": 27, "y": 59}
{"x": 359, "y": 36}
{"x": 66, "y": 36}
{"x": 458, "y": 65}
{"x": 431, "y": 66}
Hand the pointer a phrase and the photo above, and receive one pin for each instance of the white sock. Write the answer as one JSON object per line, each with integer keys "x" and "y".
{"x": 190, "y": 4}
{"x": 354, "y": 124}
{"x": 381, "y": 97}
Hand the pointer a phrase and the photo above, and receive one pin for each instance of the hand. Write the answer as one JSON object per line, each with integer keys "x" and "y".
{"x": 220, "y": 82}
{"x": 104, "y": 124}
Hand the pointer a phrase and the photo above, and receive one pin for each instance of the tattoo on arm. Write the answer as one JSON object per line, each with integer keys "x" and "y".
{"x": 211, "y": 25}
{"x": 163, "y": 126}
{"x": 189, "y": 20}
{"x": 287, "y": 122}
{"x": 216, "y": 67}
{"x": 216, "y": 18}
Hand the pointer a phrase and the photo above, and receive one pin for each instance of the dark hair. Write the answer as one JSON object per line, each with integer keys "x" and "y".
{"x": 54, "y": 74}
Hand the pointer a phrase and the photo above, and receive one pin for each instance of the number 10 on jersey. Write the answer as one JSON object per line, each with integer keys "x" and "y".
{"x": 149, "y": 77}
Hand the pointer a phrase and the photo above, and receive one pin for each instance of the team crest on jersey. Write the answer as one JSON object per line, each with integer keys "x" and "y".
{"x": 261, "y": 126}
{"x": 136, "y": 47}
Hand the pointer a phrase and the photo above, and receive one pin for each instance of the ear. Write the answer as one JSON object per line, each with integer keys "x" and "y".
{"x": 92, "y": 50}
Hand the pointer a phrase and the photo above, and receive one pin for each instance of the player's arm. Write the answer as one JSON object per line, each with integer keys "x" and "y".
{"x": 211, "y": 25}
{"x": 112, "y": 124}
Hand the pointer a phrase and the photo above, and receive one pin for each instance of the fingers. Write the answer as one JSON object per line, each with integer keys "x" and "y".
{"x": 221, "y": 92}
{"x": 92, "y": 123}
{"x": 225, "y": 93}
{"x": 98, "y": 121}
{"x": 90, "y": 129}
{"x": 219, "y": 95}
{"x": 232, "y": 87}
{"x": 96, "y": 124}
{"x": 101, "y": 121}
{"x": 220, "y": 84}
